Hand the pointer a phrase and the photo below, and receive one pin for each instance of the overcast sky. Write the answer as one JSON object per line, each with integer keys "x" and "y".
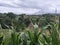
{"x": 29, "y": 6}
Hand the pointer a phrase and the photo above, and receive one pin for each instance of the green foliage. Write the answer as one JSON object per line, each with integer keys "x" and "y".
{"x": 15, "y": 38}
{"x": 27, "y": 22}
{"x": 54, "y": 34}
{"x": 35, "y": 37}
{"x": 1, "y": 39}
{"x": 30, "y": 37}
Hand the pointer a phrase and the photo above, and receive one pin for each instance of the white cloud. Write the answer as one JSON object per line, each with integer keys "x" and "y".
{"x": 29, "y": 6}
{"x": 17, "y": 10}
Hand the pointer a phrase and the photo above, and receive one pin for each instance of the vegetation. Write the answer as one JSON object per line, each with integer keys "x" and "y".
{"x": 29, "y": 29}
{"x": 28, "y": 37}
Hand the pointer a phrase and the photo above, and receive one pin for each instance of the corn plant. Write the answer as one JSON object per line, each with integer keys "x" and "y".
{"x": 23, "y": 38}
{"x": 1, "y": 39}
{"x": 15, "y": 38}
{"x": 54, "y": 34}
{"x": 34, "y": 37}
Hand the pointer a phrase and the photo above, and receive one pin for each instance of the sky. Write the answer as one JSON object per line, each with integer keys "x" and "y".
{"x": 29, "y": 6}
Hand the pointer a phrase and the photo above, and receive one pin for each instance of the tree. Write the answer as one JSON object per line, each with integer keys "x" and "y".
{"x": 11, "y": 15}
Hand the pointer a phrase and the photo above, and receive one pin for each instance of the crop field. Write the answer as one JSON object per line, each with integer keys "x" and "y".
{"x": 29, "y": 37}
{"x": 29, "y": 29}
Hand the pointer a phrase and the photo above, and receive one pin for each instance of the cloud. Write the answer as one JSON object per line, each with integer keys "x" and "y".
{"x": 17, "y": 10}
{"x": 29, "y": 6}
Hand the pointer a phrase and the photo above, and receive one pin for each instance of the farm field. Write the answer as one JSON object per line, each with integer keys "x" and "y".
{"x": 29, "y": 29}
{"x": 29, "y": 22}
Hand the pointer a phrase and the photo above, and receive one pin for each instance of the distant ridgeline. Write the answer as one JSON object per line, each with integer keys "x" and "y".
{"x": 21, "y": 21}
